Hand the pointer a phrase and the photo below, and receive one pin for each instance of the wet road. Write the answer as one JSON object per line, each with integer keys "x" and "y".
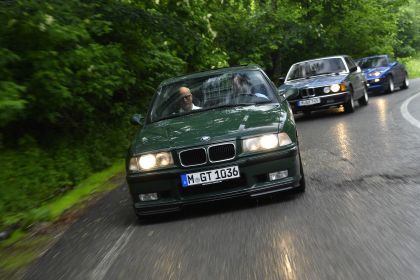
{"x": 359, "y": 218}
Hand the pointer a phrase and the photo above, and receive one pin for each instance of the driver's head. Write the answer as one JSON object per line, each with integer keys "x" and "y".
{"x": 185, "y": 99}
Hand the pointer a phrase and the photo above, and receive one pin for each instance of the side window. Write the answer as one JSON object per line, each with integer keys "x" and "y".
{"x": 349, "y": 62}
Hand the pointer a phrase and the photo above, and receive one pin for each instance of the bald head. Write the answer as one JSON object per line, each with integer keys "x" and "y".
{"x": 185, "y": 98}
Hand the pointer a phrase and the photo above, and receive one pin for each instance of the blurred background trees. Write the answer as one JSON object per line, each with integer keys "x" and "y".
{"x": 72, "y": 72}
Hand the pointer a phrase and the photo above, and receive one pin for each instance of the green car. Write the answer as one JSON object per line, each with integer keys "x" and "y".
{"x": 210, "y": 136}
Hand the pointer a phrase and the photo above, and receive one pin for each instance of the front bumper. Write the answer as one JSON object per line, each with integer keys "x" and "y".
{"x": 377, "y": 84}
{"x": 327, "y": 101}
{"x": 254, "y": 181}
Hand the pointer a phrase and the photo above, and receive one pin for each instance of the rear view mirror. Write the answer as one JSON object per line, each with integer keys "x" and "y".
{"x": 136, "y": 119}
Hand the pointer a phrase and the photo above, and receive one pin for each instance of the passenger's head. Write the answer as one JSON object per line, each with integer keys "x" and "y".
{"x": 241, "y": 84}
{"x": 185, "y": 99}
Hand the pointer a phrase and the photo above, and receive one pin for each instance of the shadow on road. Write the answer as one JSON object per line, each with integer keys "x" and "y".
{"x": 334, "y": 112}
{"x": 215, "y": 208}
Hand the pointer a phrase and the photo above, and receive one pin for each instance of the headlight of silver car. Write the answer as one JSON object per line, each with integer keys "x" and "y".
{"x": 335, "y": 88}
{"x": 151, "y": 161}
{"x": 265, "y": 142}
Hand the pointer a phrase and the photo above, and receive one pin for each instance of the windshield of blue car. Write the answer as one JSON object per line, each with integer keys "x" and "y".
{"x": 317, "y": 67}
{"x": 373, "y": 62}
{"x": 200, "y": 93}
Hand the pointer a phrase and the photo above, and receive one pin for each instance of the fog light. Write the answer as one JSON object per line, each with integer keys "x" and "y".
{"x": 278, "y": 175}
{"x": 377, "y": 80}
{"x": 368, "y": 85}
{"x": 148, "y": 196}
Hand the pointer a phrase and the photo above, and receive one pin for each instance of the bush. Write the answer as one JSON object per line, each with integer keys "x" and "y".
{"x": 31, "y": 175}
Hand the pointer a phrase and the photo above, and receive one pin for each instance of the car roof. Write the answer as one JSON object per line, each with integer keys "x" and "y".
{"x": 319, "y": 58}
{"x": 210, "y": 73}
{"x": 374, "y": 56}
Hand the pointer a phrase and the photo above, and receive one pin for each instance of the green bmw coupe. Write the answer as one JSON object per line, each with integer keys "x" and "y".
{"x": 213, "y": 135}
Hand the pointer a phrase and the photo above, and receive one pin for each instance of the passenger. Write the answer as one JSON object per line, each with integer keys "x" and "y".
{"x": 242, "y": 88}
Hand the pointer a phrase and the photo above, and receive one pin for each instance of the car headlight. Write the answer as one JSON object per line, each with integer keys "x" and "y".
{"x": 335, "y": 88}
{"x": 265, "y": 142}
{"x": 151, "y": 161}
{"x": 375, "y": 74}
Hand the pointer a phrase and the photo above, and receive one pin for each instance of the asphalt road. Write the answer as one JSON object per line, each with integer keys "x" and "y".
{"x": 359, "y": 218}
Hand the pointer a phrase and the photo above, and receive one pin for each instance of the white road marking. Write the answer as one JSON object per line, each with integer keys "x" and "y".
{"x": 406, "y": 114}
{"x": 102, "y": 268}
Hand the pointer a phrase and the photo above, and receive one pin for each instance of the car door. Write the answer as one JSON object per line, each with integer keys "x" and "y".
{"x": 396, "y": 71}
{"x": 356, "y": 78}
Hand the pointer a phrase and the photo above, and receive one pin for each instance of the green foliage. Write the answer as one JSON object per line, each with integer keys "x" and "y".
{"x": 408, "y": 37}
{"x": 413, "y": 66}
{"x": 11, "y": 103}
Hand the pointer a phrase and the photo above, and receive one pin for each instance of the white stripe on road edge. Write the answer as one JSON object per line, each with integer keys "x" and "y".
{"x": 406, "y": 114}
{"x": 102, "y": 268}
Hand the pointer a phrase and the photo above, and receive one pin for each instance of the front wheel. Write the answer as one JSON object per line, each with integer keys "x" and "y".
{"x": 364, "y": 99}
{"x": 406, "y": 83}
{"x": 302, "y": 182}
{"x": 390, "y": 83}
{"x": 349, "y": 105}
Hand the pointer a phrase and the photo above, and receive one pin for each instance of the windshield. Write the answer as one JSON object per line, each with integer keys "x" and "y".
{"x": 194, "y": 95}
{"x": 316, "y": 67}
{"x": 373, "y": 62}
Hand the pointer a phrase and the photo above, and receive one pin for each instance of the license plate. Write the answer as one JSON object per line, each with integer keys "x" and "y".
{"x": 210, "y": 176}
{"x": 308, "y": 102}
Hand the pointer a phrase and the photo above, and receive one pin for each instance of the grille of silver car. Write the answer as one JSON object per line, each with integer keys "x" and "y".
{"x": 221, "y": 152}
{"x": 307, "y": 92}
{"x": 214, "y": 153}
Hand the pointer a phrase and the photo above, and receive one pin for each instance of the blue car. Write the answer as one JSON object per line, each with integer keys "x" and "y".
{"x": 383, "y": 74}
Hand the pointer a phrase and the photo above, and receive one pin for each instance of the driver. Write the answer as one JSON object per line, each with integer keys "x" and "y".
{"x": 186, "y": 100}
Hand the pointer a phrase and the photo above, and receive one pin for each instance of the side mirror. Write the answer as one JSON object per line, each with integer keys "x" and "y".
{"x": 281, "y": 80}
{"x": 358, "y": 69}
{"x": 136, "y": 119}
{"x": 353, "y": 69}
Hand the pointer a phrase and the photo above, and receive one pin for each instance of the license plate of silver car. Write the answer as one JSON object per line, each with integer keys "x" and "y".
{"x": 308, "y": 102}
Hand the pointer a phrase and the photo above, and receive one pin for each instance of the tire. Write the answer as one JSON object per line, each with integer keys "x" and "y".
{"x": 302, "y": 182}
{"x": 364, "y": 100}
{"x": 406, "y": 83}
{"x": 349, "y": 105}
{"x": 391, "y": 85}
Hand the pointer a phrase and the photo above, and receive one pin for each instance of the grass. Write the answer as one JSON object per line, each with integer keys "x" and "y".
{"x": 20, "y": 249}
{"x": 95, "y": 183}
{"x": 413, "y": 67}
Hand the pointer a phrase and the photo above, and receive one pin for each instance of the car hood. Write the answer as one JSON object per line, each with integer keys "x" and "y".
{"x": 218, "y": 124}
{"x": 314, "y": 82}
